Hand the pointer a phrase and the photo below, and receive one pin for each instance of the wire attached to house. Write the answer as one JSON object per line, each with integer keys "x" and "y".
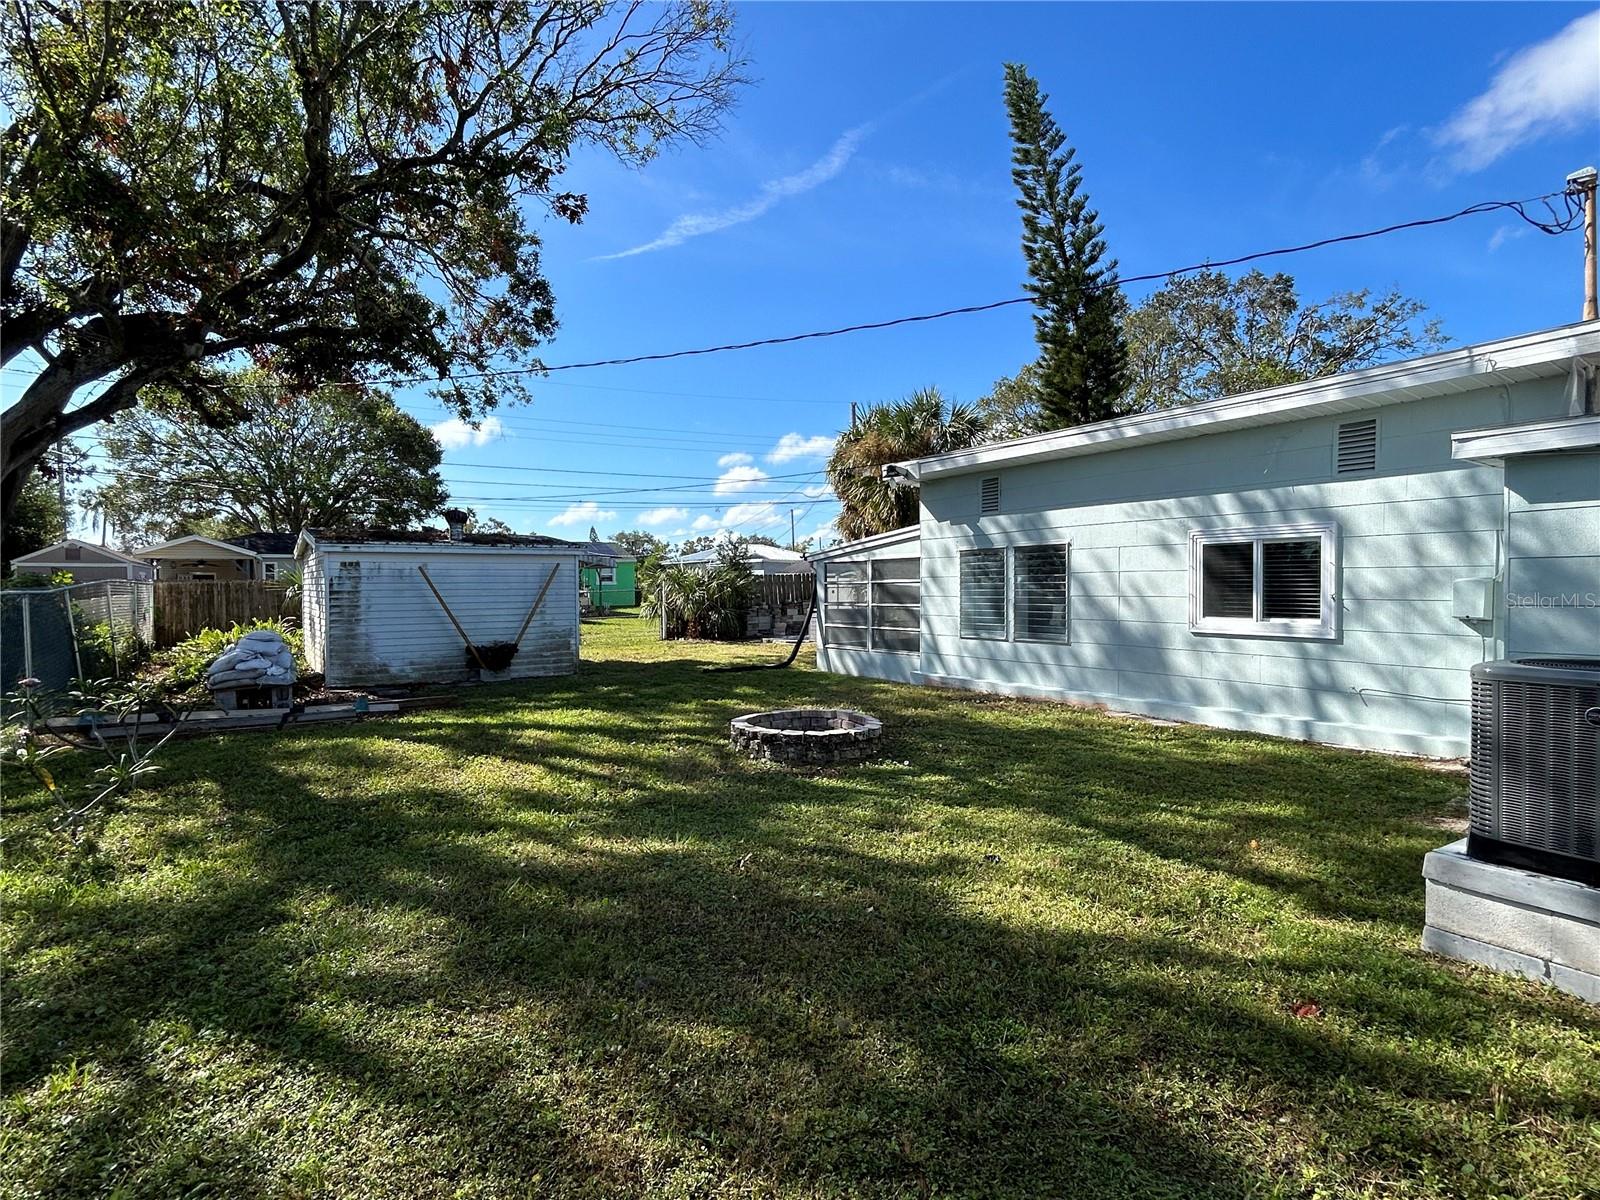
{"x": 1554, "y": 222}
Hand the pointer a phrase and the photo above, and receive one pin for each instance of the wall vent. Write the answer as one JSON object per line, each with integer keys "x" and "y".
{"x": 989, "y": 495}
{"x": 1358, "y": 447}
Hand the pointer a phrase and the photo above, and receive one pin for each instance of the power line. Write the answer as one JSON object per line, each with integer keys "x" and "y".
{"x": 737, "y": 437}
{"x": 1557, "y": 222}
{"x": 602, "y": 474}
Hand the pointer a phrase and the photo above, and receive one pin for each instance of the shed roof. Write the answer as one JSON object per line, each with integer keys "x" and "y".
{"x": 1544, "y": 354}
{"x": 609, "y": 550}
{"x": 437, "y": 538}
{"x": 755, "y": 550}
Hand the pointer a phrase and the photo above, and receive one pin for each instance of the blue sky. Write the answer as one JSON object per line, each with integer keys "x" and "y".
{"x": 865, "y": 175}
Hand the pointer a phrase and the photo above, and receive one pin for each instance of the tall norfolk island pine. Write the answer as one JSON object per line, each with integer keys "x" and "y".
{"x": 1083, "y": 359}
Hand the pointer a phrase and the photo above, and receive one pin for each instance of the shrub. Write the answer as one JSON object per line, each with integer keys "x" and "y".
{"x": 183, "y": 666}
{"x": 111, "y": 648}
{"x": 33, "y": 579}
{"x": 701, "y": 601}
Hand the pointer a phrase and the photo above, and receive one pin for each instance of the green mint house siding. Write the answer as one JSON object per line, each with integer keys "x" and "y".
{"x": 1405, "y": 535}
{"x": 619, "y": 592}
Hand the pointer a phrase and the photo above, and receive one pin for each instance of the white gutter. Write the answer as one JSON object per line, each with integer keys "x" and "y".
{"x": 1536, "y": 437}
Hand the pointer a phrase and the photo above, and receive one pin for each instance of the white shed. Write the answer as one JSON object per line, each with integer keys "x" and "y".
{"x": 371, "y": 618}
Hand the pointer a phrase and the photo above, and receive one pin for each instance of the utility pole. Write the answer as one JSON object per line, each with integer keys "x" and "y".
{"x": 792, "y": 543}
{"x": 852, "y": 416}
{"x": 1582, "y": 183}
{"x": 61, "y": 489}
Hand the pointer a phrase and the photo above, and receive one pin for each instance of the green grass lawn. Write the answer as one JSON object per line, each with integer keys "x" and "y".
{"x": 559, "y": 942}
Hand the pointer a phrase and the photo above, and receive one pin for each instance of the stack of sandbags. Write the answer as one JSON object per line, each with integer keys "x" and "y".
{"x": 259, "y": 659}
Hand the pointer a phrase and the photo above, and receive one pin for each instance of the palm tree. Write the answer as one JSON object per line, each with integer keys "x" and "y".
{"x": 920, "y": 425}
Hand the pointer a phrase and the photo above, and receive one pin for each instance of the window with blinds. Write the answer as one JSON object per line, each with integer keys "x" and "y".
{"x": 1039, "y": 593}
{"x": 983, "y": 594}
{"x": 1269, "y": 581}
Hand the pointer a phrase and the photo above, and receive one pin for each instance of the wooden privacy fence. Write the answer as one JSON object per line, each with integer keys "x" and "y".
{"x": 184, "y": 607}
{"x": 790, "y": 588}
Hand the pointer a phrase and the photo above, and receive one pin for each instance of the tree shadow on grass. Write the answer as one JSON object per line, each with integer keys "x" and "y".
{"x": 623, "y": 968}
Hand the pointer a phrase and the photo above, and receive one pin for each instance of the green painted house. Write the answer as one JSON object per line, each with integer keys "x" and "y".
{"x": 612, "y": 586}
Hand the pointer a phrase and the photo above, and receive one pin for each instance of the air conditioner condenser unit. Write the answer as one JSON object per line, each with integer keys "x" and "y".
{"x": 1535, "y": 783}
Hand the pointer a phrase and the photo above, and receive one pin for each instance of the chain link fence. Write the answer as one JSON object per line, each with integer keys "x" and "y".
{"x": 85, "y": 631}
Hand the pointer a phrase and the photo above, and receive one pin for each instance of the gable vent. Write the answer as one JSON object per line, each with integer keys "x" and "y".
{"x": 1358, "y": 447}
{"x": 989, "y": 495}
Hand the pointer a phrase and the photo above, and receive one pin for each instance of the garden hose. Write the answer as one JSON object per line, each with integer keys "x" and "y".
{"x": 794, "y": 650}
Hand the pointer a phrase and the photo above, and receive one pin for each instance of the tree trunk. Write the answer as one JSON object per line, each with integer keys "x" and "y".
{"x": 36, "y": 422}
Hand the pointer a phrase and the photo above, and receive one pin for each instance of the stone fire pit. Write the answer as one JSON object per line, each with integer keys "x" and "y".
{"x": 807, "y": 737}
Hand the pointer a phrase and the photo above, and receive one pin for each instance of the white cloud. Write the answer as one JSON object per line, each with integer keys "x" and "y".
{"x": 774, "y": 191}
{"x": 1547, "y": 88}
{"x": 821, "y": 536}
{"x": 794, "y": 445}
{"x": 738, "y": 479}
{"x": 455, "y": 434}
{"x": 1504, "y": 234}
{"x": 749, "y": 517}
{"x": 755, "y": 513}
{"x": 587, "y": 513}
{"x": 737, "y": 459}
{"x": 662, "y": 516}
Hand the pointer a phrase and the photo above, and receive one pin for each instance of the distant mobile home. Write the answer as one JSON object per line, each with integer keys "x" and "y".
{"x": 370, "y": 617}
{"x": 1322, "y": 561}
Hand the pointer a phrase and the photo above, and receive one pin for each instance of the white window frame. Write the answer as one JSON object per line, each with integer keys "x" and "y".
{"x": 1325, "y": 628}
{"x": 269, "y": 572}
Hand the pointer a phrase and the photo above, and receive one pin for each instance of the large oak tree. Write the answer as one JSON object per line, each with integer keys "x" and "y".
{"x": 1207, "y": 335}
{"x": 337, "y": 457}
{"x": 349, "y": 188}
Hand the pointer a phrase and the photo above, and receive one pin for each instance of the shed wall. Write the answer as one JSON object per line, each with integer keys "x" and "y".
{"x": 383, "y": 626}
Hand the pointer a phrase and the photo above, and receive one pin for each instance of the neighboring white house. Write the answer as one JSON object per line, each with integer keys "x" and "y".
{"x": 762, "y": 560}
{"x": 199, "y": 559}
{"x": 370, "y": 617}
{"x": 87, "y": 562}
{"x": 1322, "y": 561}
